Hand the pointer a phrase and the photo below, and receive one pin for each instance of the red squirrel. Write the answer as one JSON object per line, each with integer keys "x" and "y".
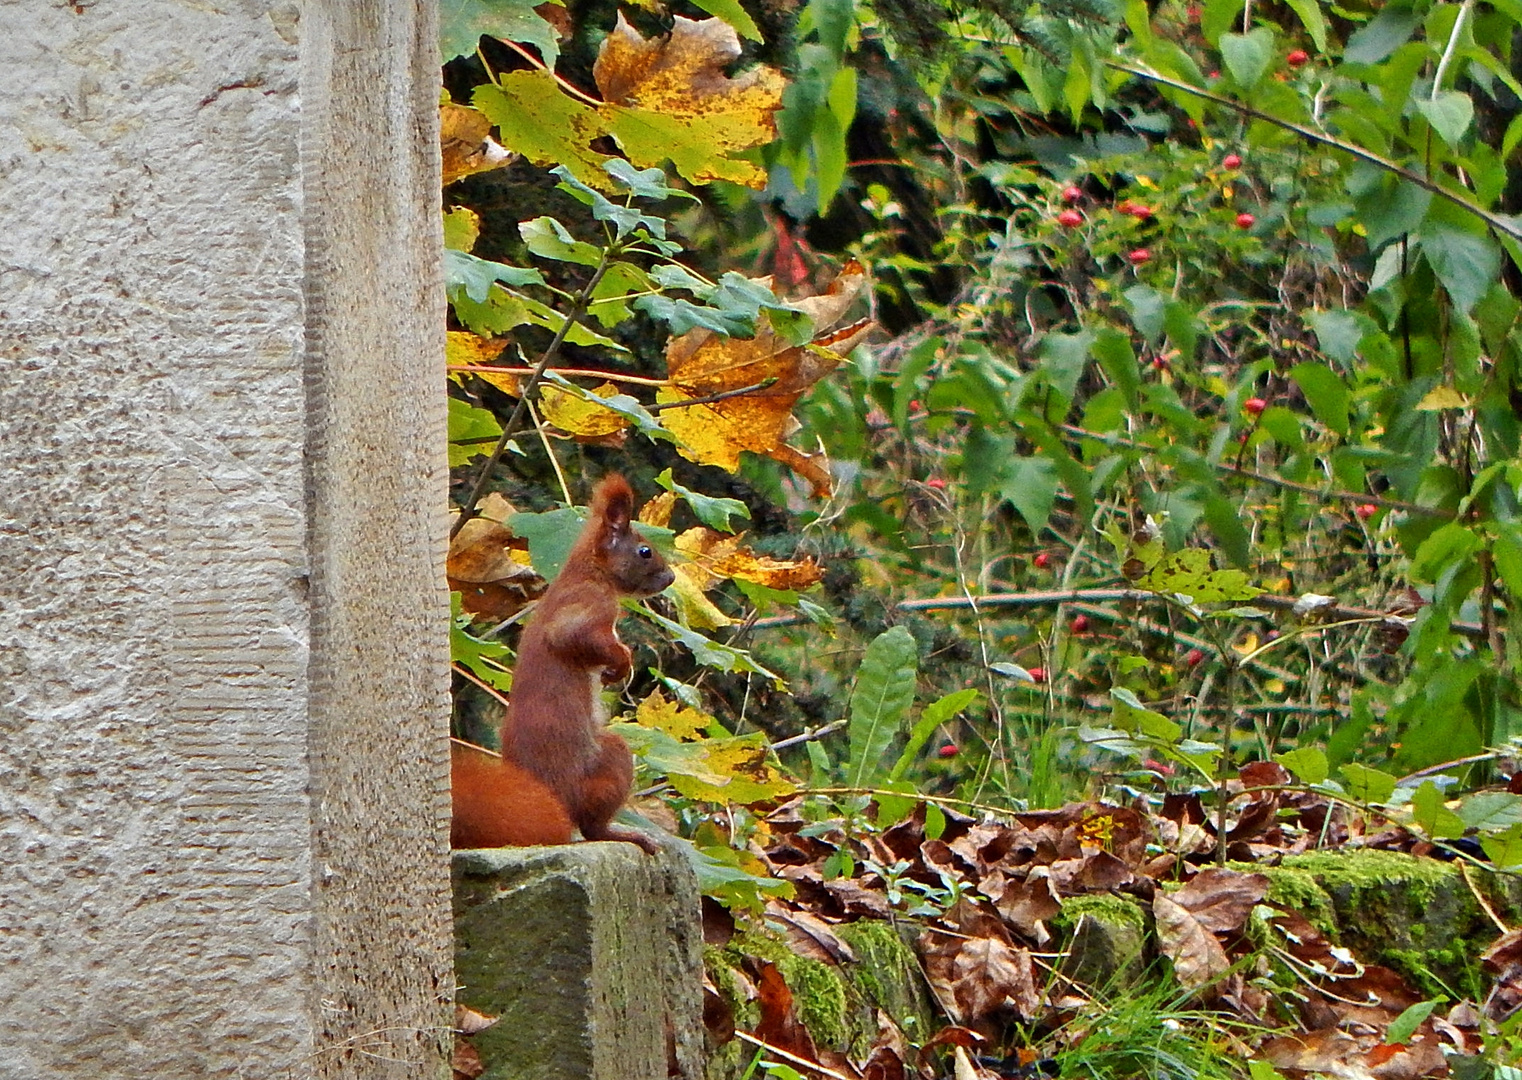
{"x": 561, "y": 769}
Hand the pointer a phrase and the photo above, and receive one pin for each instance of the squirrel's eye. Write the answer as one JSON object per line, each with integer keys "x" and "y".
{"x": 645, "y": 552}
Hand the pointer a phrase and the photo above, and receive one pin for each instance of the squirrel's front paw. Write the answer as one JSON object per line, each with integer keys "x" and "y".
{"x": 620, "y": 669}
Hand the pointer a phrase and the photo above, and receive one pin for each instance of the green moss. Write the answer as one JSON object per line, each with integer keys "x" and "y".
{"x": 1115, "y": 910}
{"x": 819, "y": 997}
{"x": 887, "y": 976}
{"x": 1415, "y": 915}
{"x": 1299, "y": 891}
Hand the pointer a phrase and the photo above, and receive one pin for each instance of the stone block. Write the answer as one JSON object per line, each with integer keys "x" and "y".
{"x": 591, "y": 956}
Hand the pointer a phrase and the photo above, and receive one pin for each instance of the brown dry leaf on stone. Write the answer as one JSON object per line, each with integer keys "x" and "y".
{"x": 977, "y": 970}
{"x": 670, "y": 97}
{"x": 809, "y": 936}
{"x": 1221, "y": 899}
{"x": 466, "y": 144}
{"x": 701, "y": 363}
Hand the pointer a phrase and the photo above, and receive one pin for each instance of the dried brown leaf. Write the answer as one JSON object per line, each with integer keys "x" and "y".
{"x": 1197, "y": 956}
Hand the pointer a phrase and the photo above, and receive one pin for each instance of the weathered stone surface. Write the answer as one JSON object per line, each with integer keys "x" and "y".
{"x": 223, "y": 659}
{"x": 1105, "y": 938}
{"x": 591, "y": 956}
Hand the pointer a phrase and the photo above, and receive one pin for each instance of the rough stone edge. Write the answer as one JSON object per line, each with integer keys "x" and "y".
{"x": 377, "y": 483}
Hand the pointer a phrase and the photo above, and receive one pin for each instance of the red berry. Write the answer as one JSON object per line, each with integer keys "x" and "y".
{"x": 1193, "y": 11}
{"x": 1038, "y": 674}
{"x": 1245, "y": 220}
{"x": 1159, "y": 363}
{"x": 1070, "y": 219}
{"x": 949, "y": 750}
{"x": 1254, "y": 405}
{"x": 1365, "y": 511}
{"x": 1042, "y": 559}
{"x": 936, "y": 482}
{"x": 914, "y": 406}
{"x": 1232, "y": 161}
{"x": 1298, "y": 57}
{"x": 1071, "y": 194}
{"x": 1194, "y": 657}
{"x": 1214, "y": 75}
{"x": 1080, "y": 624}
{"x": 1139, "y": 256}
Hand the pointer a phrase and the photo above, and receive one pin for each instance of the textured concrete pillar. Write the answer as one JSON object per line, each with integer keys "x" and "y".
{"x": 590, "y": 955}
{"x": 223, "y": 776}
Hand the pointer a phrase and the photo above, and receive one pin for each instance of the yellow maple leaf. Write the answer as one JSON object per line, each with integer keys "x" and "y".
{"x": 718, "y": 556}
{"x": 657, "y": 511}
{"x": 672, "y": 717}
{"x": 701, "y": 364}
{"x": 669, "y": 97}
{"x": 696, "y": 610}
{"x": 464, "y": 349}
{"x": 577, "y": 416}
{"x": 751, "y": 777}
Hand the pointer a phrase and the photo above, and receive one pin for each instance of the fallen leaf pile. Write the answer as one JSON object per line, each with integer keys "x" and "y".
{"x": 1003, "y": 977}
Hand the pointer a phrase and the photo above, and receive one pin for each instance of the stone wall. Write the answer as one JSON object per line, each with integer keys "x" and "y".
{"x": 223, "y": 792}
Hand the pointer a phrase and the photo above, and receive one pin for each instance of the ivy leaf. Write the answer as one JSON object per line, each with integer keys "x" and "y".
{"x": 1247, "y": 55}
{"x": 883, "y": 693}
{"x": 1450, "y": 113}
{"x": 462, "y": 22}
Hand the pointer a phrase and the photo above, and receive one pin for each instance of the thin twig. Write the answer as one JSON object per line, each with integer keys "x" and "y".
{"x": 811, "y": 735}
{"x": 803, "y": 1062}
{"x": 578, "y": 309}
{"x": 711, "y": 398}
{"x": 570, "y": 373}
{"x": 1495, "y": 221}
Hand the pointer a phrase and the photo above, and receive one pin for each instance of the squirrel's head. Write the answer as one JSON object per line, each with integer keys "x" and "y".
{"x": 634, "y": 566}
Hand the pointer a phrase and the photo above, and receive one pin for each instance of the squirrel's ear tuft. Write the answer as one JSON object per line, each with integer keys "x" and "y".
{"x": 613, "y": 502}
